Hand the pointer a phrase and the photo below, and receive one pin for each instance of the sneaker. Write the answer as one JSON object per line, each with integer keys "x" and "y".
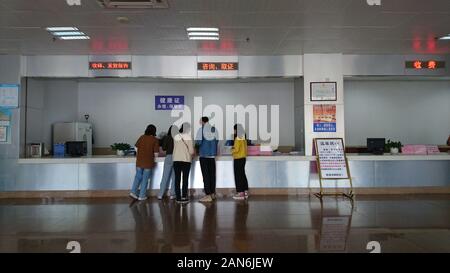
{"x": 172, "y": 197}
{"x": 213, "y": 196}
{"x": 246, "y": 194}
{"x": 206, "y": 198}
{"x": 142, "y": 198}
{"x": 134, "y": 196}
{"x": 160, "y": 197}
{"x": 183, "y": 201}
{"x": 239, "y": 196}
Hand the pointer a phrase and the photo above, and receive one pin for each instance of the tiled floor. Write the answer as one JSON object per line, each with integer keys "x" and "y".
{"x": 262, "y": 224}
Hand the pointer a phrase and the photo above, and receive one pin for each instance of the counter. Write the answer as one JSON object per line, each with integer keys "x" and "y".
{"x": 104, "y": 173}
{"x": 132, "y": 159}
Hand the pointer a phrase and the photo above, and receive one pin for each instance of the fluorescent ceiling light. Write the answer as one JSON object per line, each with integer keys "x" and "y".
{"x": 61, "y": 28}
{"x": 203, "y": 38}
{"x": 68, "y": 33}
{"x": 190, "y": 29}
{"x": 445, "y": 37}
{"x": 74, "y": 37}
{"x": 203, "y": 34}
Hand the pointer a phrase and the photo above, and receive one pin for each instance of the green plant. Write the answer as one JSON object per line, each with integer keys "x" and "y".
{"x": 393, "y": 144}
{"x": 120, "y": 146}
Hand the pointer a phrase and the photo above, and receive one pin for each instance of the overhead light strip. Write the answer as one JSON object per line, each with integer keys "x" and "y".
{"x": 68, "y": 33}
{"x": 74, "y": 37}
{"x": 51, "y": 29}
{"x": 203, "y": 33}
{"x": 203, "y": 38}
{"x": 190, "y": 29}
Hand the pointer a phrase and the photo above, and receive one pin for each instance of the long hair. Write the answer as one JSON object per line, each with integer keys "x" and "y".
{"x": 169, "y": 132}
{"x": 150, "y": 130}
{"x": 185, "y": 128}
{"x": 239, "y": 131}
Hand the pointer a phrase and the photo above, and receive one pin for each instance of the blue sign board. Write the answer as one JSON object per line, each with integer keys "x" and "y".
{"x": 324, "y": 127}
{"x": 169, "y": 102}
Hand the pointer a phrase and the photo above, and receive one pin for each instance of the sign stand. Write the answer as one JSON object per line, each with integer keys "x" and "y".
{"x": 332, "y": 164}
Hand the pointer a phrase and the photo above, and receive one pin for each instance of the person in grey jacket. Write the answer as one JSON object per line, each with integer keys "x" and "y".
{"x": 168, "y": 176}
{"x": 207, "y": 140}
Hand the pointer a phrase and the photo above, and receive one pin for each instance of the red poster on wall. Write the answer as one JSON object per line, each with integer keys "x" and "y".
{"x": 324, "y": 116}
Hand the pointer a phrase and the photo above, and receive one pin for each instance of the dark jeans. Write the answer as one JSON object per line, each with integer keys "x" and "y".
{"x": 181, "y": 167}
{"x": 239, "y": 175}
{"x": 208, "y": 166}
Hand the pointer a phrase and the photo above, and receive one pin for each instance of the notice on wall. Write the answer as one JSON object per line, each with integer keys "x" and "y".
{"x": 331, "y": 158}
{"x": 5, "y": 123}
{"x": 169, "y": 102}
{"x": 9, "y": 95}
{"x": 323, "y": 91}
{"x": 3, "y": 134}
{"x": 334, "y": 233}
{"x": 324, "y": 116}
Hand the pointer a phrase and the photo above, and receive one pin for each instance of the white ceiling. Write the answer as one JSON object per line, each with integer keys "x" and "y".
{"x": 274, "y": 27}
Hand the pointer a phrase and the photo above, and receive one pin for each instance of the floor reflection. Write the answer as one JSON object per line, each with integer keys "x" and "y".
{"x": 334, "y": 228}
{"x": 262, "y": 224}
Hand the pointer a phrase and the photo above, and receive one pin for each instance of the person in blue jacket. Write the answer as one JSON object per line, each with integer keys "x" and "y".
{"x": 207, "y": 140}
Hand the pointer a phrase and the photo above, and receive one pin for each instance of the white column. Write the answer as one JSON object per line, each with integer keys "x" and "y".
{"x": 323, "y": 68}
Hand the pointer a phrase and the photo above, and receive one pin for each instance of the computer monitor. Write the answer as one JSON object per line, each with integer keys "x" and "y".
{"x": 76, "y": 148}
{"x": 376, "y": 145}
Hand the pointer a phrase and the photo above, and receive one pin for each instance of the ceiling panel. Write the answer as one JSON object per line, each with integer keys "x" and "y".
{"x": 247, "y": 27}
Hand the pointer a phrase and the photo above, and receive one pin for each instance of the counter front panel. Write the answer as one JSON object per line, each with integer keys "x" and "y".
{"x": 117, "y": 173}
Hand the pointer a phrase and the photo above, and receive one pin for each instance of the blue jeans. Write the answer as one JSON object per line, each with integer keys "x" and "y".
{"x": 168, "y": 175}
{"x": 141, "y": 181}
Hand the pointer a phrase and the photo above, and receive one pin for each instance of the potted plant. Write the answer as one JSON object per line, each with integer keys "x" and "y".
{"x": 393, "y": 147}
{"x": 120, "y": 148}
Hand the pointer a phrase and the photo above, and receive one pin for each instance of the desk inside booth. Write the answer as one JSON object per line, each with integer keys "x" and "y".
{"x": 291, "y": 173}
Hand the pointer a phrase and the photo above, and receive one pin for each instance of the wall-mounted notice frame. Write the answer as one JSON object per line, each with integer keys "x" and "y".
{"x": 9, "y": 95}
{"x": 331, "y": 158}
{"x": 323, "y": 91}
{"x": 5, "y": 123}
{"x": 3, "y": 134}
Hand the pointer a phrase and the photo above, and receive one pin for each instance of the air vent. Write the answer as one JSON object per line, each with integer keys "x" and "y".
{"x": 134, "y": 4}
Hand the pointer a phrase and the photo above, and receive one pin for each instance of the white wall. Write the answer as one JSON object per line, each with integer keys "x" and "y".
{"x": 34, "y": 110}
{"x": 121, "y": 110}
{"x": 60, "y": 105}
{"x": 414, "y": 112}
{"x": 49, "y": 101}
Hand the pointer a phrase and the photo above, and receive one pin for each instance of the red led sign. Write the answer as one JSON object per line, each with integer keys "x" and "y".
{"x": 109, "y": 65}
{"x": 424, "y": 65}
{"x": 217, "y": 66}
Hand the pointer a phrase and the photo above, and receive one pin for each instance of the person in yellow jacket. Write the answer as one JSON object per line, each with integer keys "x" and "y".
{"x": 239, "y": 152}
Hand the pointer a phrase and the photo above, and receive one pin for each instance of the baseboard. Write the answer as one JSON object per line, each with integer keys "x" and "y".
{"x": 227, "y": 192}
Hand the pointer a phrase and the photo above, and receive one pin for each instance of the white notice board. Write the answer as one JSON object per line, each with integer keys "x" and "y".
{"x": 9, "y": 95}
{"x": 323, "y": 91}
{"x": 331, "y": 158}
